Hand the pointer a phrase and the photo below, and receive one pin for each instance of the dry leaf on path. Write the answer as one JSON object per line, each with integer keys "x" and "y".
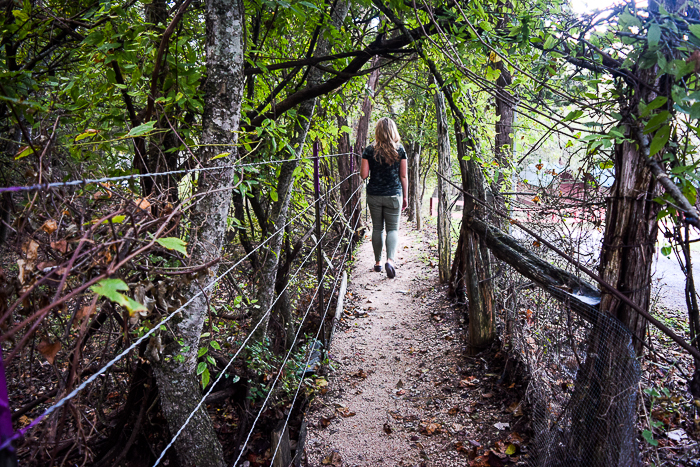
{"x": 333, "y": 459}
{"x": 345, "y": 412}
{"x": 454, "y": 410}
{"x": 387, "y": 429}
{"x": 325, "y": 421}
{"x": 469, "y": 382}
{"x": 48, "y": 349}
{"x": 359, "y": 374}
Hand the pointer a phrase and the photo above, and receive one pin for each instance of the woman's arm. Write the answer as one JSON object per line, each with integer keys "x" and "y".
{"x": 403, "y": 175}
{"x": 364, "y": 169}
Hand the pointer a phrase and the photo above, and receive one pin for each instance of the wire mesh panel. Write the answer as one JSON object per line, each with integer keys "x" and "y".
{"x": 583, "y": 381}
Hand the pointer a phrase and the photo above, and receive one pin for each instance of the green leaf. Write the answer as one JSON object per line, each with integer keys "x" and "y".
{"x": 211, "y": 360}
{"x": 173, "y": 243}
{"x": 573, "y": 115}
{"x": 112, "y": 288}
{"x": 649, "y": 437}
{"x": 86, "y": 134}
{"x": 273, "y": 195}
{"x": 694, "y": 30}
{"x": 142, "y": 129}
{"x": 205, "y": 378}
{"x": 202, "y": 351}
{"x": 24, "y": 152}
{"x": 219, "y": 156}
{"x": 201, "y": 367}
{"x": 666, "y": 250}
{"x": 115, "y": 220}
{"x": 653, "y": 105}
{"x": 491, "y": 74}
{"x": 660, "y": 139}
{"x": 653, "y": 35}
{"x": 656, "y": 121}
{"x": 215, "y": 345}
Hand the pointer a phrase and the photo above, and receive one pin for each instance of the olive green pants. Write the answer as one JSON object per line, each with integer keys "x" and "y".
{"x": 385, "y": 210}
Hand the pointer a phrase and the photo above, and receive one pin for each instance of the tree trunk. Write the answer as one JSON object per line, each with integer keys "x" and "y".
{"x": 179, "y": 389}
{"x": 413, "y": 182}
{"x": 346, "y": 165}
{"x": 445, "y": 170}
{"x": 472, "y": 268}
{"x": 630, "y": 236}
{"x": 278, "y": 215}
{"x": 503, "y": 141}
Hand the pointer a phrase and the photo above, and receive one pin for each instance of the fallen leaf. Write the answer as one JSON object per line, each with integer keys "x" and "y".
{"x": 511, "y": 449}
{"x": 345, "y": 412}
{"x": 516, "y": 409}
{"x": 142, "y": 203}
{"x": 468, "y": 382}
{"x": 677, "y": 435}
{"x": 48, "y": 349}
{"x": 501, "y": 426}
{"x": 400, "y": 392}
{"x": 50, "y": 226}
{"x": 387, "y": 429}
{"x": 321, "y": 383}
{"x": 84, "y": 312}
{"x": 333, "y": 459}
{"x": 454, "y": 410}
{"x": 31, "y": 250}
{"x": 515, "y": 438}
{"x": 24, "y": 420}
{"x": 359, "y": 374}
{"x": 429, "y": 428}
{"x": 325, "y": 421}
{"x": 487, "y": 395}
{"x": 399, "y": 385}
{"x": 494, "y": 460}
{"x": 61, "y": 246}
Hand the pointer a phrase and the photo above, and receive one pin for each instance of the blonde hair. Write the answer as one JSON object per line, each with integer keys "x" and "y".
{"x": 386, "y": 140}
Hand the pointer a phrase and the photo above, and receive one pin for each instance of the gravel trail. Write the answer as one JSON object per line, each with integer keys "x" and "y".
{"x": 402, "y": 392}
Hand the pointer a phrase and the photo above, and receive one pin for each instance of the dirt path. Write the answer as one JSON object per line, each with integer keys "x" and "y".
{"x": 402, "y": 394}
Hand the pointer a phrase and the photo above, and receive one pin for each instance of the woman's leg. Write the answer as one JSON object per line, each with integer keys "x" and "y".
{"x": 375, "y": 208}
{"x": 392, "y": 214}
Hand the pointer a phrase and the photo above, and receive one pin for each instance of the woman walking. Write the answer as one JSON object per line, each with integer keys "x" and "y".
{"x": 384, "y": 162}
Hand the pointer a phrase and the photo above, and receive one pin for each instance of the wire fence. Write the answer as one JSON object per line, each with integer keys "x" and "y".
{"x": 583, "y": 385}
{"x": 583, "y": 381}
{"x": 344, "y": 239}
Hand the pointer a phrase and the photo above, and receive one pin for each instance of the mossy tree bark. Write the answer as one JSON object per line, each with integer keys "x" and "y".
{"x": 179, "y": 389}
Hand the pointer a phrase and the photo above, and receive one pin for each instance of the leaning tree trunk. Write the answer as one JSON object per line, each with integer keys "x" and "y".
{"x": 444, "y": 172}
{"x": 178, "y": 387}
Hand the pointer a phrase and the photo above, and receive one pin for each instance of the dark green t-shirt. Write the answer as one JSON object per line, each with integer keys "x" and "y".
{"x": 383, "y": 178}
